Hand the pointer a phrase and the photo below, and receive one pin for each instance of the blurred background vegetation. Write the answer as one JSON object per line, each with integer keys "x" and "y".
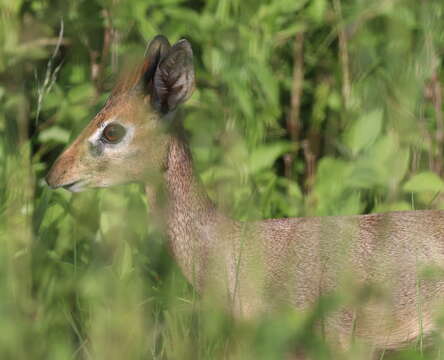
{"x": 302, "y": 107}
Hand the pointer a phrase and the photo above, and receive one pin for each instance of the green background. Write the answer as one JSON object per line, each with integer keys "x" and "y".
{"x": 302, "y": 108}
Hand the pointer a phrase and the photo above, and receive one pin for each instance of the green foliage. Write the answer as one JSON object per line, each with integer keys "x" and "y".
{"x": 425, "y": 181}
{"x": 87, "y": 276}
{"x": 364, "y": 131}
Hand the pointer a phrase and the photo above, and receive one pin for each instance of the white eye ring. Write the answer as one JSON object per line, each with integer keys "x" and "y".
{"x": 96, "y": 139}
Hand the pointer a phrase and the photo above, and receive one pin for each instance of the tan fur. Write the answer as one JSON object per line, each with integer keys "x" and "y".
{"x": 269, "y": 265}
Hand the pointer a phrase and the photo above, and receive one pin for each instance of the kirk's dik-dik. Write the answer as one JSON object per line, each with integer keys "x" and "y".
{"x": 259, "y": 266}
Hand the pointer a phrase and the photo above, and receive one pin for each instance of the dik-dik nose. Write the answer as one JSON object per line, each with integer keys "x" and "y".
{"x": 59, "y": 173}
{"x": 54, "y": 176}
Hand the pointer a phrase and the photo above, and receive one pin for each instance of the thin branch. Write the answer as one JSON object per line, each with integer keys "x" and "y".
{"x": 343, "y": 54}
{"x": 437, "y": 104}
{"x": 98, "y": 59}
{"x": 310, "y": 161}
{"x": 433, "y": 92}
{"x": 42, "y": 42}
{"x": 51, "y": 74}
{"x": 427, "y": 138}
{"x": 293, "y": 120}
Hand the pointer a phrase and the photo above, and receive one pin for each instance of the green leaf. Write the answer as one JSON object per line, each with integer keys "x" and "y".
{"x": 331, "y": 168}
{"x": 385, "y": 163}
{"x": 77, "y": 75}
{"x": 126, "y": 261}
{"x": 426, "y": 181}
{"x": 316, "y": 10}
{"x": 396, "y": 206}
{"x": 392, "y": 159}
{"x": 364, "y": 131}
{"x": 81, "y": 93}
{"x": 362, "y": 176}
{"x": 54, "y": 133}
{"x": 265, "y": 156}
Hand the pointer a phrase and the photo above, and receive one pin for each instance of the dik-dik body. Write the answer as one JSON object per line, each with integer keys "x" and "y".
{"x": 266, "y": 265}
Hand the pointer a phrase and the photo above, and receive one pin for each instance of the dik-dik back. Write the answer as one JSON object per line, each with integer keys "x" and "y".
{"x": 384, "y": 266}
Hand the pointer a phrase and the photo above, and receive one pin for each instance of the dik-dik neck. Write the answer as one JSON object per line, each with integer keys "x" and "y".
{"x": 185, "y": 211}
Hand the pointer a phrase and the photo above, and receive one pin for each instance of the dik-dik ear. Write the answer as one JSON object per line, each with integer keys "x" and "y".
{"x": 156, "y": 50}
{"x": 139, "y": 78}
{"x": 174, "y": 78}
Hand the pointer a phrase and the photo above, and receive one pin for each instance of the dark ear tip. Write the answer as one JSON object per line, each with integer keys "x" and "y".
{"x": 160, "y": 38}
{"x": 185, "y": 45}
{"x": 159, "y": 41}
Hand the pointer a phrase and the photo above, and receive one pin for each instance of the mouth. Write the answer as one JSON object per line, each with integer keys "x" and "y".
{"x": 75, "y": 186}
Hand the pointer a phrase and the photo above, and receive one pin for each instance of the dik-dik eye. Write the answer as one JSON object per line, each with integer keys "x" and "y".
{"x": 113, "y": 133}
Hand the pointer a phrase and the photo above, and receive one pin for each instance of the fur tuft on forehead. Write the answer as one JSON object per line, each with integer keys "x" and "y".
{"x": 138, "y": 75}
{"x": 129, "y": 77}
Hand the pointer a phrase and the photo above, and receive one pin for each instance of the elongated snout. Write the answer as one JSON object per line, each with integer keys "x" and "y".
{"x": 63, "y": 172}
{"x": 57, "y": 174}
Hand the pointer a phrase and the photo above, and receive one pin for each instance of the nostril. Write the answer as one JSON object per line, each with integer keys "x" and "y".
{"x": 48, "y": 180}
{"x": 51, "y": 180}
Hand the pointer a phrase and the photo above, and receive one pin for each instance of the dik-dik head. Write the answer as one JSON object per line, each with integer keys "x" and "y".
{"x": 127, "y": 140}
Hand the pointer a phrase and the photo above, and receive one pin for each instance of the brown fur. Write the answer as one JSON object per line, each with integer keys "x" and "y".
{"x": 263, "y": 266}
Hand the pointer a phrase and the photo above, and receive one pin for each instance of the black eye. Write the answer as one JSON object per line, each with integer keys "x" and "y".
{"x": 113, "y": 133}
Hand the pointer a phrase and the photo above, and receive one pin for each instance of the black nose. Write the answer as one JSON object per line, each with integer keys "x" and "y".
{"x": 50, "y": 180}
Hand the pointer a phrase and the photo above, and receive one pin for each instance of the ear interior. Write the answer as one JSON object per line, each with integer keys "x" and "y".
{"x": 173, "y": 78}
{"x": 155, "y": 51}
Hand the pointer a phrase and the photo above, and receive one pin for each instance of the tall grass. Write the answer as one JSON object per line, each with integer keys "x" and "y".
{"x": 301, "y": 108}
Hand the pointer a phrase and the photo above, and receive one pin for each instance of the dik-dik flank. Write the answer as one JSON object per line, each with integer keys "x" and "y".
{"x": 266, "y": 265}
